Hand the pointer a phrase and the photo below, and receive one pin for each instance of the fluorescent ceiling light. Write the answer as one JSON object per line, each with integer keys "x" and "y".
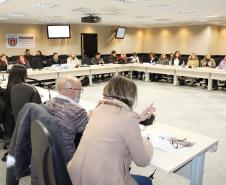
{"x": 162, "y": 6}
{"x": 127, "y": 1}
{"x": 186, "y": 11}
{"x": 17, "y": 14}
{"x": 162, "y": 19}
{"x": 43, "y": 5}
{"x": 211, "y": 16}
{"x": 3, "y": 18}
{"x": 143, "y": 17}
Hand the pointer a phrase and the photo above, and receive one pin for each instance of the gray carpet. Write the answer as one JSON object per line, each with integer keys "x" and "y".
{"x": 192, "y": 109}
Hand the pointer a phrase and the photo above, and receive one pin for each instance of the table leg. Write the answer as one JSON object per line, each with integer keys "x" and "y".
{"x": 210, "y": 82}
{"x": 146, "y": 76}
{"x": 196, "y": 176}
{"x": 90, "y": 79}
{"x": 175, "y": 79}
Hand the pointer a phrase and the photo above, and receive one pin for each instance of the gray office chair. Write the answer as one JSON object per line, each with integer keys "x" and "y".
{"x": 47, "y": 155}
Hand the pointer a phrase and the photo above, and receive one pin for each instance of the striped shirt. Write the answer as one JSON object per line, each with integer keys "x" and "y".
{"x": 222, "y": 64}
{"x": 71, "y": 117}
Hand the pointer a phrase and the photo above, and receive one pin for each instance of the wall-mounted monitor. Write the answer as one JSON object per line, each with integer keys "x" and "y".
{"x": 58, "y": 31}
{"x": 120, "y": 33}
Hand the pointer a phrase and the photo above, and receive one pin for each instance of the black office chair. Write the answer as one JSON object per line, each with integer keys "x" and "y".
{"x": 22, "y": 94}
{"x": 47, "y": 155}
{"x": 36, "y": 63}
{"x": 63, "y": 58}
{"x": 86, "y": 61}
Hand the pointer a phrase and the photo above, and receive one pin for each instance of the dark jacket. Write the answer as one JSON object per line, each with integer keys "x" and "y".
{"x": 95, "y": 61}
{"x": 52, "y": 62}
{"x": 181, "y": 61}
{"x": 20, "y": 145}
{"x": 112, "y": 59}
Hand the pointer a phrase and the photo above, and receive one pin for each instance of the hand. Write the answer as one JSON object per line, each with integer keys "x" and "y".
{"x": 147, "y": 112}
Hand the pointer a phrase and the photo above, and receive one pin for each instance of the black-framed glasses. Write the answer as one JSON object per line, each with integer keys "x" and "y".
{"x": 180, "y": 143}
{"x": 76, "y": 89}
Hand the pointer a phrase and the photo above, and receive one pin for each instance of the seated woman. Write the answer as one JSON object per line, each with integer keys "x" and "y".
{"x": 135, "y": 59}
{"x": 21, "y": 60}
{"x": 17, "y": 76}
{"x": 178, "y": 61}
{"x": 112, "y": 139}
{"x": 163, "y": 59}
{"x": 3, "y": 62}
{"x": 209, "y": 62}
{"x": 193, "y": 61}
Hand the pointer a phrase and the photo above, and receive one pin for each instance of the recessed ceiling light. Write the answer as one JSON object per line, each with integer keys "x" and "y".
{"x": 17, "y": 14}
{"x": 216, "y": 23}
{"x": 211, "y": 16}
{"x": 43, "y": 5}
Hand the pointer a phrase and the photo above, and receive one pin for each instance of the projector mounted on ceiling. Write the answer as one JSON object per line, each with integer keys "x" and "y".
{"x": 91, "y": 19}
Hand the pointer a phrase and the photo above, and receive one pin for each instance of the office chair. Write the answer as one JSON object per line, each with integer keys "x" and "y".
{"x": 47, "y": 155}
{"x": 22, "y": 94}
{"x": 86, "y": 61}
{"x": 36, "y": 63}
{"x": 13, "y": 59}
{"x": 63, "y": 58}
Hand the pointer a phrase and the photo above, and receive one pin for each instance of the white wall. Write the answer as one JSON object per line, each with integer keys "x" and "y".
{"x": 199, "y": 39}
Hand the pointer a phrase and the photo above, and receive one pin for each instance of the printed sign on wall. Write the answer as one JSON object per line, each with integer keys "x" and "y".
{"x": 20, "y": 41}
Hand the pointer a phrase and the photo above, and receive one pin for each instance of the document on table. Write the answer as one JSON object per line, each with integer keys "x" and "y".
{"x": 164, "y": 142}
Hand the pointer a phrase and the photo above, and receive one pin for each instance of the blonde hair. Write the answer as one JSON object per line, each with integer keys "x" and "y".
{"x": 121, "y": 88}
{"x": 190, "y": 57}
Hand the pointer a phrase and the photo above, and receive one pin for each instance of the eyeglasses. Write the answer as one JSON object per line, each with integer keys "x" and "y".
{"x": 75, "y": 89}
{"x": 180, "y": 143}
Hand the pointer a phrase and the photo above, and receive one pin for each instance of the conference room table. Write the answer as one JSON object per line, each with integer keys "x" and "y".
{"x": 175, "y": 71}
{"x": 186, "y": 161}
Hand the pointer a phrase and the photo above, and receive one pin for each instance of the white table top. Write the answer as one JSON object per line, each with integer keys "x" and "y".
{"x": 169, "y": 161}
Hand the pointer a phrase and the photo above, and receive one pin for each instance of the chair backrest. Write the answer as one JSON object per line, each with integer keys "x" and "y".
{"x": 86, "y": 60}
{"x": 22, "y": 94}
{"x": 47, "y": 155}
{"x": 36, "y": 63}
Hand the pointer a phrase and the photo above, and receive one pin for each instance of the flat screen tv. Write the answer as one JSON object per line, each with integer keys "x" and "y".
{"x": 120, "y": 33}
{"x": 58, "y": 31}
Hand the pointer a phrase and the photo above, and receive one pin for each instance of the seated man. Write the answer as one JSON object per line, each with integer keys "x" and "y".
{"x": 113, "y": 57}
{"x": 54, "y": 60}
{"x": 97, "y": 59}
{"x": 73, "y": 60}
{"x": 27, "y": 55}
{"x": 65, "y": 108}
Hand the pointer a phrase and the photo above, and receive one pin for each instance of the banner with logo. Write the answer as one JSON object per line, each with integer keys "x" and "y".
{"x": 20, "y": 41}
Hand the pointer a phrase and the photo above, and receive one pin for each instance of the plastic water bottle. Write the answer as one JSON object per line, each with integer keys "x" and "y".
{"x": 183, "y": 64}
